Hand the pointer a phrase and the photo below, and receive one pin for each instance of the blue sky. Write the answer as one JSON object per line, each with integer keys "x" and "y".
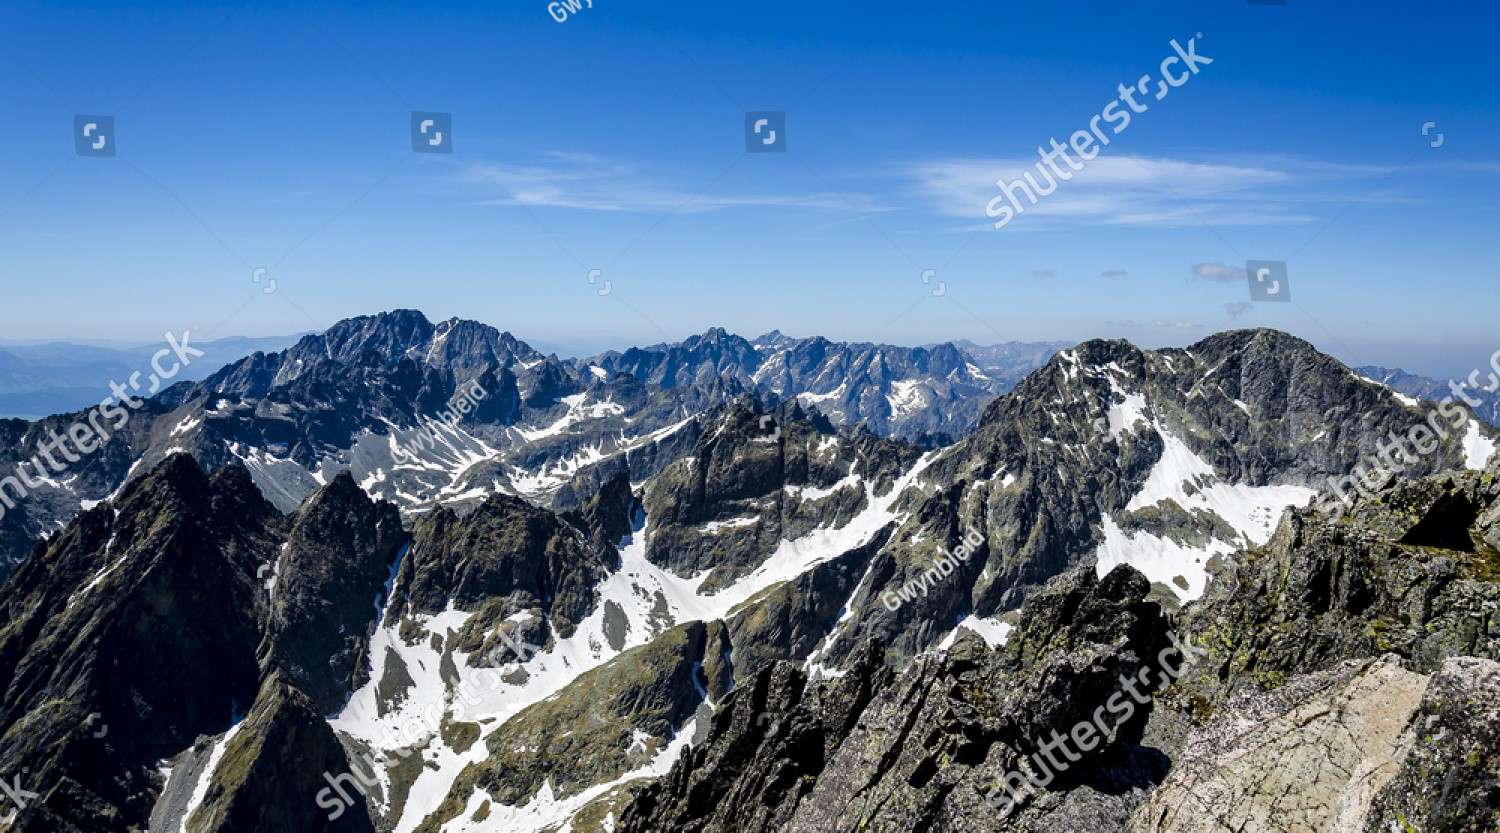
{"x": 276, "y": 136}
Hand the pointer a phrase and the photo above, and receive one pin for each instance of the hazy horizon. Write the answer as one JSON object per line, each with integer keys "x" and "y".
{"x": 1437, "y": 362}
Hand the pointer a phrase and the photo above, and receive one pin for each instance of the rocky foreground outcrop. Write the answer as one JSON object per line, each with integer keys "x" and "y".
{"x": 1349, "y": 674}
{"x": 1365, "y": 747}
{"x": 931, "y": 749}
{"x": 271, "y": 773}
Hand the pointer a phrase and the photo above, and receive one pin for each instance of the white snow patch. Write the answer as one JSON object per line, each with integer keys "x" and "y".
{"x": 545, "y": 811}
{"x": 1161, "y": 560}
{"x": 905, "y": 397}
{"x": 815, "y": 493}
{"x": 733, "y": 523}
{"x": 1478, "y": 449}
{"x": 1124, "y": 415}
{"x": 186, "y": 425}
{"x": 993, "y": 631}
{"x": 1186, "y": 479}
{"x": 1408, "y": 401}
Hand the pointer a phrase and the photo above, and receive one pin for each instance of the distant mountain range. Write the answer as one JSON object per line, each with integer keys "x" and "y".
{"x": 933, "y": 392}
{"x": 1434, "y": 390}
{"x": 365, "y": 396}
{"x": 37, "y": 379}
{"x": 1010, "y": 362}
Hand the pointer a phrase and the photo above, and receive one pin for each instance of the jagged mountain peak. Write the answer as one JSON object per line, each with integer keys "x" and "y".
{"x": 392, "y": 332}
{"x": 715, "y": 335}
{"x": 773, "y": 340}
{"x": 179, "y": 484}
{"x": 1260, "y": 337}
{"x": 1166, "y": 460}
{"x": 342, "y": 495}
{"x": 1266, "y": 360}
{"x": 388, "y": 338}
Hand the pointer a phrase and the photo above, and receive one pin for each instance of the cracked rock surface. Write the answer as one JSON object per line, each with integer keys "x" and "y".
{"x": 1306, "y": 758}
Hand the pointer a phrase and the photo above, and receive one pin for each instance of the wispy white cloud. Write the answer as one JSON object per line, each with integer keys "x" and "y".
{"x": 1220, "y": 272}
{"x": 1131, "y": 324}
{"x": 1152, "y": 191}
{"x": 593, "y": 183}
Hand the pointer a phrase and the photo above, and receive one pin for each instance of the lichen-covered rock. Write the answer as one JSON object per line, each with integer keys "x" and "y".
{"x": 1307, "y": 758}
{"x": 1450, "y": 780}
{"x": 1407, "y": 572}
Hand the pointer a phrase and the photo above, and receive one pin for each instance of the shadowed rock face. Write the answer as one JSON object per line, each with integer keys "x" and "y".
{"x": 507, "y": 556}
{"x": 147, "y": 621}
{"x": 920, "y": 751}
{"x": 768, "y": 744}
{"x": 788, "y": 621}
{"x": 146, "y": 624}
{"x": 326, "y": 585}
{"x": 271, "y": 774}
{"x": 757, "y": 478}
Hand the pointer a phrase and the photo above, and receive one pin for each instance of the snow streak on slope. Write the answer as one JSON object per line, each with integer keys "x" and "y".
{"x": 206, "y": 776}
{"x": 550, "y": 475}
{"x": 1184, "y": 478}
{"x": 1478, "y": 449}
{"x": 545, "y": 811}
{"x": 652, "y": 599}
